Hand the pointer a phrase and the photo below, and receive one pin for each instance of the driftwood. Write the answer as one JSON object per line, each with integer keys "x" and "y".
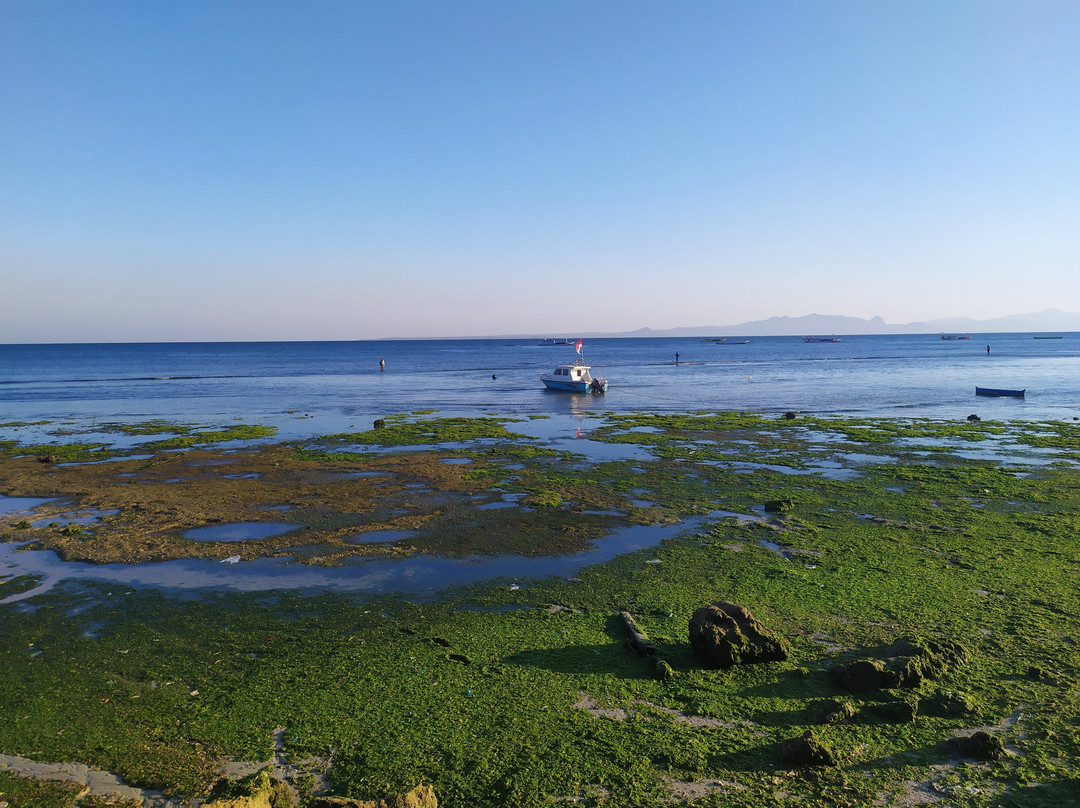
{"x": 636, "y": 639}
{"x": 645, "y": 647}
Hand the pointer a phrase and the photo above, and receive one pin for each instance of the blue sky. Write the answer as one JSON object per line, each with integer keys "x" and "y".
{"x": 356, "y": 170}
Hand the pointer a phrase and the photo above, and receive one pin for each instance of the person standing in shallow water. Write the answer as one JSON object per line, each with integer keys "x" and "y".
{"x": 382, "y": 364}
{"x": 987, "y": 350}
{"x": 676, "y": 357}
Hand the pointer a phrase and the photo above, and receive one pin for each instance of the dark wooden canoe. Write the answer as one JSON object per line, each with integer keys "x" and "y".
{"x": 997, "y": 393}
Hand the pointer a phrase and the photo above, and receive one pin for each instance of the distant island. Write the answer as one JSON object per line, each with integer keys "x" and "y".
{"x": 1048, "y": 320}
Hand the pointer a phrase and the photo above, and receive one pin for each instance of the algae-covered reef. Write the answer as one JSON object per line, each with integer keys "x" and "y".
{"x": 925, "y": 595}
{"x": 429, "y": 479}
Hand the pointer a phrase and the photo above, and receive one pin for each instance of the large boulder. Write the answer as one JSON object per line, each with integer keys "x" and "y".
{"x": 723, "y": 635}
{"x": 906, "y": 663}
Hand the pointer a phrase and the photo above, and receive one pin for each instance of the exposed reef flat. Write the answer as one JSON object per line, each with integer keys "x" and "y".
{"x": 841, "y": 536}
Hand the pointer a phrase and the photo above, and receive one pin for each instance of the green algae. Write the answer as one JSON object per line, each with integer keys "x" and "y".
{"x": 187, "y": 437}
{"x": 951, "y": 551}
{"x": 208, "y": 437}
{"x": 429, "y": 432}
{"x": 18, "y": 584}
{"x": 59, "y": 452}
{"x": 156, "y": 426}
{"x": 22, "y": 792}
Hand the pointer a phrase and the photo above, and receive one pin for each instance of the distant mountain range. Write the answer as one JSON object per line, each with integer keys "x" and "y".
{"x": 825, "y": 324}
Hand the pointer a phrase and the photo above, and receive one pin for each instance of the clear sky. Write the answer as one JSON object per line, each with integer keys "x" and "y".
{"x": 357, "y": 169}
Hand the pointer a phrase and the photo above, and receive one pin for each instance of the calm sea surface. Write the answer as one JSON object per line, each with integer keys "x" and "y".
{"x": 312, "y": 388}
{"x": 307, "y": 388}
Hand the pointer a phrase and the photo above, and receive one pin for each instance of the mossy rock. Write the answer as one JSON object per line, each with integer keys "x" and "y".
{"x": 948, "y": 705}
{"x": 779, "y": 506}
{"x": 830, "y": 711}
{"x": 906, "y": 663}
{"x": 807, "y": 750}
{"x": 423, "y": 796}
{"x": 863, "y": 676}
{"x": 258, "y": 790}
{"x": 899, "y": 711}
{"x": 664, "y": 671}
{"x": 980, "y": 745}
{"x": 723, "y": 635}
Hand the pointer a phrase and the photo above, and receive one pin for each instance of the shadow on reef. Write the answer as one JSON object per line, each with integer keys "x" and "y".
{"x": 610, "y": 659}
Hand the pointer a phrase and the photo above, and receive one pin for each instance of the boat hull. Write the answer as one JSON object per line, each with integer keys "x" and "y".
{"x": 575, "y": 387}
{"x": 995, "y": 392}
{"x": 569, "y": 387}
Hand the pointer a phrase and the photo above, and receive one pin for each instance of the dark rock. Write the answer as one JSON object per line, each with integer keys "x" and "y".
{"x": 723, "y": 635}
{"x": 830, "y": 711}
{"x": 791, "y": 415}
{"x": 981, "y": 746}
{"x": 664, "y": 671}
{"x": 779, "y": 506}
{"x": 46, "y": 458}
{"x": 973, "y": 418}
{"x": 863, "y": 676}
{"x": 806, "y": 750}
{"x": 890, "y": 712}
{"x": 906, "y": 663}
{"x": 948, "y": 705}
{"x": 1034, "y": 672}
{"x": 379, "y": 423}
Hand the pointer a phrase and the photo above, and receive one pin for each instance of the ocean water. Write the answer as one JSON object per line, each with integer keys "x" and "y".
{"x": 309, "y": 388}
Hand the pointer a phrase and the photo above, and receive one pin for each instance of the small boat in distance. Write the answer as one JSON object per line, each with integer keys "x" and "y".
{"x": 955, "y": 336}
{"x": 995, "y": 392}
{"x": 574, "y": 377}
{"x": 556, "y": 341}
{"x": 726, "y": 341}
{"x": 821, "y": 339}
{"x": 1037, "y": 336}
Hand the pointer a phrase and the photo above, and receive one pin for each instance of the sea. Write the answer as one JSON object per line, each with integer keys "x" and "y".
{"x": 310, "y": 388}
{"x": 60, "y": 393}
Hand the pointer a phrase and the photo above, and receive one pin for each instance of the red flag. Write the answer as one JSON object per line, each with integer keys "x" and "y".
{"x": 578, "y": 346}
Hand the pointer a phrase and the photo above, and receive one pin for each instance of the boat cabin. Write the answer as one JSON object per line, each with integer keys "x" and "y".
{"x": 573, "y": 372}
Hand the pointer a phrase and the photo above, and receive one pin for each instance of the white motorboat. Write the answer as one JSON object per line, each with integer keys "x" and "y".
{"x": 574, "y": 377}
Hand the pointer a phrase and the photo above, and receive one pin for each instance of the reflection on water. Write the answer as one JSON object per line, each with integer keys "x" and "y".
{"x": 239, "y": 531}
{"x": 10, "y": 505}
{"x": 417, "y": 575}
{"x": 87, "y": 517}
